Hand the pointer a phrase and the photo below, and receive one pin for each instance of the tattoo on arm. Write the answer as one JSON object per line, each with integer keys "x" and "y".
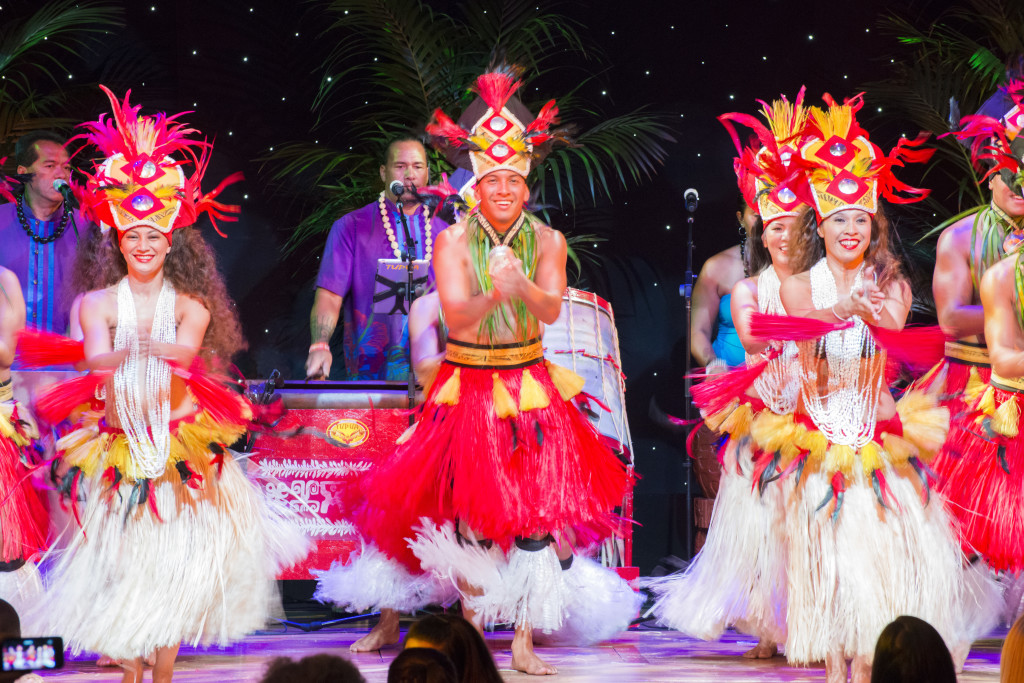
{"x": 321, "y": 328}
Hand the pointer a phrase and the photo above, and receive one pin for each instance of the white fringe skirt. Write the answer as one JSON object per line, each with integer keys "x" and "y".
{"x": 850, "y": 577}
{"x": 739, "y": 577}
{"x": 203, "y": 573}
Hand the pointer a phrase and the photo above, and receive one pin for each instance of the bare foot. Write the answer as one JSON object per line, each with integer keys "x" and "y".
{"x": 530, "y": 663}
{"x": 763, "y": 650}
{"x": 385, "y": 632}
{"x": 525, "y": 659}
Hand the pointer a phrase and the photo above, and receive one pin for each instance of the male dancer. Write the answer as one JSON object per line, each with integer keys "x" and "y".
{"x": 499, "y": 450}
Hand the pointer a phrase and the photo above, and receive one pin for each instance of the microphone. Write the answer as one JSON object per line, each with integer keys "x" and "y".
{"x": 62, "y": 186}
{"x": 396, "y": 188}
{"x": 691, "y": 198}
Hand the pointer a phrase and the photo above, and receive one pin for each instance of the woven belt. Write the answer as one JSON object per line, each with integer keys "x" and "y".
{"x": 496, "y": 356}
{"x": 967, "y": 353}
{"x": 1016, "y": 385}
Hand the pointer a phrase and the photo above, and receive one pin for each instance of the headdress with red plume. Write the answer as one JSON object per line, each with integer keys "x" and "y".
{"x": 995, "y": 140}
{"x": 496, "y": 131}
{"x": 770, "y": 172}
{"x": 848, "y": 170}
{"x": 139, "y": 183}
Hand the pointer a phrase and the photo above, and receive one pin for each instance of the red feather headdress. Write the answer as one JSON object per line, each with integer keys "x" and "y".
{"x": 140, "y": 182}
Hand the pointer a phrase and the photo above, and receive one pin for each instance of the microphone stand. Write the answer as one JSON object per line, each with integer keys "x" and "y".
{"x": 686, "y": 291}
{"x": 410, "y": 256}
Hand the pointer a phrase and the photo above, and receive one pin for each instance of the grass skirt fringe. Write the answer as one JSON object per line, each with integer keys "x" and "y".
{"x": 371, "y": 581}
{"x": 542, "y": 470}
{"x": 739, "y": 577}
{"x": 23, "y": 589}
{"x": 581, "y": 605}
{"x": 981, "y": 474}
{"x": 23, "y": 518}
{"x": 203, "y": 572}
{"x": 850, "y": 577}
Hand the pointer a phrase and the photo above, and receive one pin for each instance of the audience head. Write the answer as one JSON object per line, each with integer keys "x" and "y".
{"x": 1011, "y": 662}
{"x": 10, "y": 624}
{"x": 422, "y": 665}
{"x": 456, "y": 637}
{"x": 910, "y": 650}
{"x": 321, "y": 668}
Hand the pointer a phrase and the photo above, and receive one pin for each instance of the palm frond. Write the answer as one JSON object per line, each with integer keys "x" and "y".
{"x": 627, "y": 148}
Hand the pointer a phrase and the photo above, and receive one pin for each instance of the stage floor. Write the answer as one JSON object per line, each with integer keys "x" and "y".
{"x": 636, "y": 655}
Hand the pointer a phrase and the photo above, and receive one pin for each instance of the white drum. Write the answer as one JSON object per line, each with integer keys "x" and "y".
{"x": 584, "y": 339}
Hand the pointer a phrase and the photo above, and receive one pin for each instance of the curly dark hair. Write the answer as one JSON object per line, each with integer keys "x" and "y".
{"x": 322, "y": 668}
{"x": 809, "y": 248}
{"x": 191, "y": 266}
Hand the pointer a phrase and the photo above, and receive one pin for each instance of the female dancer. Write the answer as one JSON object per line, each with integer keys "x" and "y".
{"x": 739, "y": 577}
{"x": 23, "y": 519}
{"x": 175, "y": 543}
{"x": 864, "y": 545}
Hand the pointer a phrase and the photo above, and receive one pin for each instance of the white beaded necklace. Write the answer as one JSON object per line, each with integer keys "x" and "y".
{"x": 778, "y": 386}
{"x": 845, "y": 409}
{"x": 385, "y": 217}
{"x": 148, "y": 431}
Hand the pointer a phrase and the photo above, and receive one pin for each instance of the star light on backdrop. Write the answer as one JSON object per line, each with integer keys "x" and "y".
{"x": 701, "y": 59}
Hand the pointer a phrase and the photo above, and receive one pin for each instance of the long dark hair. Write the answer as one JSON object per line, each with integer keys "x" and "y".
{"x": 757, "y": 256}
{"x": 809, "y": 248}
{"x": 456, "y": 637}
{"x": 910, "y": 650}
{"x": 190, "y": 266}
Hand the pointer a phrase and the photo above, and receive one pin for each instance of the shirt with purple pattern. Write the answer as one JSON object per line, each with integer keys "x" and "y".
{"x": 375, "y": 346}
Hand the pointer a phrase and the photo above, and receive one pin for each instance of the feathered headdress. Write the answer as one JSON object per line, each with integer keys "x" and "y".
{"x": 770, "y": 172}
{"x": 848, "y": 170}
{"x": 139, "y": 183}
{"x": 496, "y": 131}
{"x": 996, "y": 142}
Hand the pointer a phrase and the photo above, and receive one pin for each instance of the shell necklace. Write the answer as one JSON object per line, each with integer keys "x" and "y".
{"x": 385, "y": 217}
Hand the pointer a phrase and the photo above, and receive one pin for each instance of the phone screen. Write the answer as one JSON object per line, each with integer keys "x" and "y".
{"x": 32, "y": 654}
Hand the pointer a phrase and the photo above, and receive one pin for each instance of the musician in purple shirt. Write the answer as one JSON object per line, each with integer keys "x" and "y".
{"x": 375, "y": 346}
{"x": 36, "y": 232}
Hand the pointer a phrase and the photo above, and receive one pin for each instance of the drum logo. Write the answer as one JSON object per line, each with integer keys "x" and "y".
{"x": 349, "y": 433}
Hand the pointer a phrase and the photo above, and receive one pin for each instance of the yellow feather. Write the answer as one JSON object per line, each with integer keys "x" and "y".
{"x": 449, "y": 393}
{"x": 738, "y": 422}
{"x": 568, "y": 383}
{"x": 532, "y": 394}
{"x": 871, "y": 457}
{"x": 504, "y": 406}
{"x": 840, "y": 458}
{"x": 714, "y": 420}
{"x": 1006, "y": 418}
{"x": 987, "y": 404}
{"x": 899, "y": 449}
{"x": 975, "y": 386}
{"x": 816, "y": 443}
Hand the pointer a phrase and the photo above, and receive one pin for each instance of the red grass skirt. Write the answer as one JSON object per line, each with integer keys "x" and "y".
{"x": 541, "y": 470}
{"x": 982, "y": 478}
{"x": 23, "y": 519}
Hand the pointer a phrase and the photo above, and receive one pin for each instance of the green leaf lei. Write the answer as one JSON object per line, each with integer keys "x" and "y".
{"x": 524, "y": 246}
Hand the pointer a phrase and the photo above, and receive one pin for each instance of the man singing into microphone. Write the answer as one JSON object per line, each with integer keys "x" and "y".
{"x": 375, "y": 345}
{"x": 34, "y": 231}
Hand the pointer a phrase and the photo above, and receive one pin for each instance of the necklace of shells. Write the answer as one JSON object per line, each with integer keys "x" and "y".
{"x": 385, "y": 218}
